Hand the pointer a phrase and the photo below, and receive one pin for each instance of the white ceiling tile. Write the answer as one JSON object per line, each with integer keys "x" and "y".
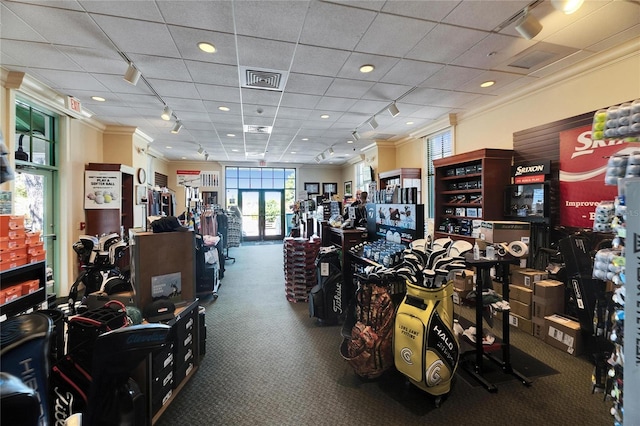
{"x": 406, "y": 33}
{"x": 458, "y": 40}
{"x": 275, "y": 19}
{"x": 451, "y": 77}
{"x": 349, "y": 88}
{"x": 187, "y": 39}
{"x": 296, "y": 100}
{"x": 432, "y": 10}
{"x": 351, "y": 68}
{"x": 212, "y": 92}
{"x": 484, "y": 15}
{"x": 146, "y": 11}
{"x": 204, "y": 14}
{"x": 410, "y": 72}
{"x": 318, "y": 60}
{"x": 492, "y": 51}
{"x": 386, "y": 91}
{"x": 174, "y": 89}
{"x": 308, "y": 84}
{"x": 10, "y": 23}
{"x": 262, "y": 53}
{"x": 158, "y": 67}
{"x": 218, "y": 74}
{"x": 30, "y": 54}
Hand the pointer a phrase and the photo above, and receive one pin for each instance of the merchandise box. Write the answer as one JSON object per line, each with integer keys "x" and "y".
{"x": 538, "y": 325}
{"x": 548, "y": 298}
{"x": 520, "y": 309}
{"x": 12, "y": 293}
{"x": 30, "y": 286}
{"x": 497, "y": 287}
{"x": 460, "y": 211}
{"x": 527, "y": 277}
{"x": 505, "y": 231}
{"x": 8, "y": 222}
{"x": 521, "y": 294}
{"x": 472, "y": 212}
{"x": 564, "y": 334}
{"x": 463, "y": 280}
{"x": 521, "y": 323}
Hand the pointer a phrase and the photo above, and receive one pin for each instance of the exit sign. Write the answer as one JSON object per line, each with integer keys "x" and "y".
{"x": 74, "y": 104}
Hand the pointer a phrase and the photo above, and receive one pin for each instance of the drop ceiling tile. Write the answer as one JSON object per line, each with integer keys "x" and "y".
{"x": 157, "y": 67}
{"x": 349, "y": 88}
{"x": 187, "y": 40}
{"x": 146, "y": 11}
{"x": 318, "y": 60}
{"x": 433, "y": 11}
{"x": 329, "y": 103}
{"x": 308, "y": 84}
{"x": 218, "y": 74}
{"x": 410, "y": 72}
{"x": 492, "y": 51}
{"x": 484, "y": 15}
{"x": 450, "y": 77}
{"x": 222, "y": 94}
{"x": 262, "y": 53}
{"x": 351, "y": 68}
{"x": 335, "y": 26}
{"x": 275, "y": 19}
{"x": 617, "y": 40}
{"x": 37, "y": 55}
{"x": 261, "y": 97}
{"x": 296, "y": 100}
{"x": 381, "y": 41}
{"x": 10, "y": 23}
{"x": 458, "y": 40}
{"x": 208, "y": 15}
{"x": 174, "y": 88}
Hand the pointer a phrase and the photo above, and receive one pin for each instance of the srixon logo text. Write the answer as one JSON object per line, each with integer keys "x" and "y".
{"x": 587, "y": 146}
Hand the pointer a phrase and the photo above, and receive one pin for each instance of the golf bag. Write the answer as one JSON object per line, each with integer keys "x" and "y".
{"x": 369, "y": 348}
{"x": 424, "y": 345}
{"x": 25, "y": 355}
{"x": 327, "y": 299}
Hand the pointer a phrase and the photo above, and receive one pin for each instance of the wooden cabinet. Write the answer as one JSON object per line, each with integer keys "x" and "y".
{"x": 404, "y": 178}
{"x": 469, "y": 187}
{"x": 106, "y": 221}
{"x": 23, "y": 296}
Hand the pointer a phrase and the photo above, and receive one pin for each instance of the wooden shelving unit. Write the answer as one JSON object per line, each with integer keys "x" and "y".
{"x": 473, "y": 180}
{"x": 10, "y": 277}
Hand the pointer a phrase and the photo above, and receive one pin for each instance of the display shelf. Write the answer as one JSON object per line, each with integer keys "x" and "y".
{"x": 479, "y": 175}
{"x": 398, "y": 177}
{"x": 10, "y": 277}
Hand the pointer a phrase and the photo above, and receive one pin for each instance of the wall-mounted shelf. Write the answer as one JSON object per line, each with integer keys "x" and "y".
{"x": 10, "y": 277}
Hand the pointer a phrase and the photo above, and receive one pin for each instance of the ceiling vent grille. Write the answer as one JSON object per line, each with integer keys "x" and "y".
{"x": 265, "y": 79}
{"x": 259, "y": 130}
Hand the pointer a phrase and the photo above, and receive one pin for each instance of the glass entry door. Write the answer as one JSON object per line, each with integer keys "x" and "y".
{"x": 263, "y": 214}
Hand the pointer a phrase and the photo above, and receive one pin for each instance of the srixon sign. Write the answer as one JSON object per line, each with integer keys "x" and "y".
{"x": 531, "y": 172}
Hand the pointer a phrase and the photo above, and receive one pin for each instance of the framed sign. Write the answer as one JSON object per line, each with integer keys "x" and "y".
{"x": 312, "y": 187}
{"x": 329, "y": 188}
{"x": 102, "y": 189}
{"x": 347, "y": 188}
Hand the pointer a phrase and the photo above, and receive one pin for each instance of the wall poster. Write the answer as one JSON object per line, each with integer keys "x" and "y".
{"x": 102, "y": 189}
{"x": 583, "y": 163}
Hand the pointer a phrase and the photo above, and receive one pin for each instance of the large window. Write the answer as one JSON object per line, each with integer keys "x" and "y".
{"x": 437, "y": 146}
{"x": 237, "y": 178}
{"x": 363, "y": 176}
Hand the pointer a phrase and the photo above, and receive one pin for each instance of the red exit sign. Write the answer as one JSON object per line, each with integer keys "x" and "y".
{"x": 74, "y": 104}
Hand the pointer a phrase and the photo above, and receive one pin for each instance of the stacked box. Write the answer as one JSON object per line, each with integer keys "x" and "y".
{"x": 527, "y": 277}
{"x": 564, "y": 334}
{"x": 520, "y": 299}
{"x": 505, "y": 231}
{"x": 463, "y": 283}
{"x": 548, "y": 299}
{"x": 13, "y": 251}
{"x": 299, "y": 267}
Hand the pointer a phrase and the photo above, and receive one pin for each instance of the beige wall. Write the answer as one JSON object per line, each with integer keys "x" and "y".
{"x": 602, "y": 86}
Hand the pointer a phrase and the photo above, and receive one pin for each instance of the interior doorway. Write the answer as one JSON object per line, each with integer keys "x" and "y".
{"x": 263, "y": 214}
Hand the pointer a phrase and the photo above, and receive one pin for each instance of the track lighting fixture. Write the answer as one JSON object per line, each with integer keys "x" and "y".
{"x": 176, "y": 127}
{"x": 206, "y": 156}
{"x": 200, "y": 150}
{"x": 132, "y": 75}
{"x": 317, "y": 159}
{"x": 331, "y": 151}
{"x": 355, "y": 135}
{"x": 567, "y": 6}
{"x": 528, "y": 26}
{"x": 373, "y": 123}
{"x": 393, "y": 109}
{"x": 166, "y": 113}
{"x": 322, "y": 156}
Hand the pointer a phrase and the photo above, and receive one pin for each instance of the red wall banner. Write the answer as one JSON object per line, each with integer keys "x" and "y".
{"x": 583, "y": 163}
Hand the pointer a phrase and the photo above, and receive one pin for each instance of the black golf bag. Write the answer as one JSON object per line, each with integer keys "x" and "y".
{"x": 327, "y": 300}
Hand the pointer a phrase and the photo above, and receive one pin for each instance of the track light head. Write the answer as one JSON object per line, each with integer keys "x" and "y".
{"x": 132, "y": 75}
{"x": 166, "y": 113}
{"x": 355, "y": 135}
{"x": 331, "y": 151}
{"x": 322, "y": 156}
{"x": 200, "y": 150}
{"x": 528, "y": 26}
{"x": 373, "y": 123}
{"x": 393, "y": 110}
{"x": 317, "y": 159}
{"x": 206, "y": 156}
{"x": 176, "y": 127}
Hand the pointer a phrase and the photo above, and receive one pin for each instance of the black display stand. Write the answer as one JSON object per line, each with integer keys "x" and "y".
{"x": 474, "y": 366}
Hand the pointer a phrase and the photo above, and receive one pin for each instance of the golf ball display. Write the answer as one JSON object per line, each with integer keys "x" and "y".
{"x": 619, "y": 121}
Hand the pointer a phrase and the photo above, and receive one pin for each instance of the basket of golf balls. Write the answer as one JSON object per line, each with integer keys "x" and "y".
{"x": 618, "y": 122}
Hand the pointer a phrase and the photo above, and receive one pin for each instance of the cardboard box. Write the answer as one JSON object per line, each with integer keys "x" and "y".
{"x": 30, "y": 286}
{"x": 12, "y": 293}
{"x": 497, "y": 287}
{"x": 521, "y": 294}
{"x": 520, "y": 309}
{"x": 8, "y": 222}
{"x": 538, "y": 325}
{"x": 460, "y": 295}
{"x": 521, "y": 323}
{"x": 548, "y": 298}
{"x": 505, "y": 231}
{"x": 463, "y": 280}
{"x": 564, "y": 334}
{"x": 527, "y": 277}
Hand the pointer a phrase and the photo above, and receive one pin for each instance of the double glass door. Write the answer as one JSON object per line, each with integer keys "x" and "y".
{"x": 263, "y": 214}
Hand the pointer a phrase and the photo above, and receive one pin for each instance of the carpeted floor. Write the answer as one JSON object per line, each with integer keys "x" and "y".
{"x": 268, "y": 363}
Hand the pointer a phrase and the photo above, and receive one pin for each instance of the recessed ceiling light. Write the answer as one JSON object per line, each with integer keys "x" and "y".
{"x": 98, "y": 98}
{"x": 305, "y": 139}
{"x": 206, "y": 47}
{"x": 488, "y": 83}
{"x": 349, "y": 141}
{"x": 234, "y": 150}
{"x": 184, "y": 158}
{"x": 293, "y": 152}
{"x": 408, "y": 123}
{"x": 231, "y": 135}
{"x": 324, "y": 116}
{"x": 169, "y": 147}
{"x": 223, "y": 108}
{"x": 367, "y": 68}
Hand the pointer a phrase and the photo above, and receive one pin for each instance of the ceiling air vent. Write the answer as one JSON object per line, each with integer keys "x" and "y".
{"x": 260, "y": 130}
{"x": 261, "y": 78}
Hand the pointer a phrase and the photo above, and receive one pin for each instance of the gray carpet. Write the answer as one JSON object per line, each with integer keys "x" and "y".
{"x": 268, "y": 363}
